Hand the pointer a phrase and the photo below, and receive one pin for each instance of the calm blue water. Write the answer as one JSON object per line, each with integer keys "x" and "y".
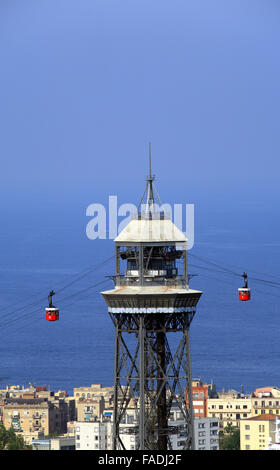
{"x": 232, "y": 343}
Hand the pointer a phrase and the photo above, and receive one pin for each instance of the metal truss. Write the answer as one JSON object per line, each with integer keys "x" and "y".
{"x": 151, "y": 375}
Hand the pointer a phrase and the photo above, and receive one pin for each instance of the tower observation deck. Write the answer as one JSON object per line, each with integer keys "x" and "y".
{"x": 152, "y": 307}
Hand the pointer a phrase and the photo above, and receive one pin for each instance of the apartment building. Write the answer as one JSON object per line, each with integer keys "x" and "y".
{"x": 90, "y": 409}
{"x": 91, "y": 436}
{"x": 30, "y": 416}
{"x": 95, "y": 391}
{"x": 274, "y": 442}
{"x": 98, "y": 435}
{"x": 266, "y": 400}
{"x": 200, "y": 394}
{"x": 257, "y": 432}
{"x": 206, "y": 434}
{"x": 229, "y": 409}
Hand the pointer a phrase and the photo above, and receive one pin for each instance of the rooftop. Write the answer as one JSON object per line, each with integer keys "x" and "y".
{"x": 264, "y": 417}
{"x": 154, "y": 230}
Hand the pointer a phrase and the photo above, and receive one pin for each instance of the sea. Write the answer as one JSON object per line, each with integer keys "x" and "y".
{"x": 234, "y": 344}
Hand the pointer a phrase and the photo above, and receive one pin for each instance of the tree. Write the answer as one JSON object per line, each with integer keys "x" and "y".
{"x": 230, "y": 438}
{"x": 9, "y": 440}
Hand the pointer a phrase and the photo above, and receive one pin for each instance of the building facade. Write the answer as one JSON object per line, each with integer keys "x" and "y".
{"x": 229, "y": 410}
{"x": 89, "y": 409}
{"x": 91, "y": 436}
{"x": 257, "y": 432}
{"x": 200, "y": 394}
{"x": 94, "y": 392}
{"x": 206, "y": 433}
{"x": 266, "y": 400}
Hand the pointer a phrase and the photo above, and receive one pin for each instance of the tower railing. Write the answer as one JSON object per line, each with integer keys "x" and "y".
{"x": 134, "y": 281}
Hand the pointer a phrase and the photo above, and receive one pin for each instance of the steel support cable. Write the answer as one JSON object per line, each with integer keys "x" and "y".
{"x": 11, "y": 321}
{"x": 265, "y": 281}
{"x": 33, "y": 304}
{"x": 99, "y": 265}
{"x": 261, "y": 291}
{"x": 21, "y": 327}
{"x": 205, "y": 260}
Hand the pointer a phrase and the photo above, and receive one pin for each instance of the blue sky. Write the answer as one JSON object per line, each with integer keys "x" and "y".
{"x": 85, "y": 85}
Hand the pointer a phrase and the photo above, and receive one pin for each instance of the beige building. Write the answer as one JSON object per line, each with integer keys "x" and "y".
{"x": 29, "y": 417}
{"x": 266, "y": 400}
{"x": 35, "y": 417}
{"x": 229, "y": 409}
{"x": 89, "y": 409}
{"x": 94, "y": 392}
{"x": 257, "y": 432}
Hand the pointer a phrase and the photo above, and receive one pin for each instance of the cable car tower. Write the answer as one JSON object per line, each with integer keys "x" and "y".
{"x": 151, "y": 301}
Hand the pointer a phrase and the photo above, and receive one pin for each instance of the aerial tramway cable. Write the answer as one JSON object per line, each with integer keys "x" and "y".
{"x": 15, "y": 313}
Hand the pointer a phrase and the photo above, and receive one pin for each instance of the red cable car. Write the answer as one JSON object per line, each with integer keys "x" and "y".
{"x": 52, "y": 313}
{"x": 244, "y": 293}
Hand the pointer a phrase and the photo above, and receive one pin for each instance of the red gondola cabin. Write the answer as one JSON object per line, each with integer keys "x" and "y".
{"x": 244, "y": 294}
{"x": 52, "y": 314}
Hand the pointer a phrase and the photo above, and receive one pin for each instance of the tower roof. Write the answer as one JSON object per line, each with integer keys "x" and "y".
{"x": 155, "y": 230}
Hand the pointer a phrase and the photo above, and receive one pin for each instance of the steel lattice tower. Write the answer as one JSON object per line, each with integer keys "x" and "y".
{"x": 151, "y": 302}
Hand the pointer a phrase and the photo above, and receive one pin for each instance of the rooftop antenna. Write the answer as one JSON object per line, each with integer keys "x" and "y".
{"x": 148, "y": 195}
{"x": 150, "y": 179}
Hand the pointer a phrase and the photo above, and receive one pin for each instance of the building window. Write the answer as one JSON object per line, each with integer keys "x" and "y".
{"x": 247, "y": 426}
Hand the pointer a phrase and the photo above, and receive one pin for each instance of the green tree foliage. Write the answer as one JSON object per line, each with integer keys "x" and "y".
{"x": 230, "y": 438}
{"x": 9, "y": 440}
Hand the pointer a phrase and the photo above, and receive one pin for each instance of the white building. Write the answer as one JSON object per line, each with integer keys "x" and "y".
{"x": 91, "y": 435}
{"x": 206, "y": 434}
{"x": 98, "y": 435}
{"x": 274, "y": 444}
